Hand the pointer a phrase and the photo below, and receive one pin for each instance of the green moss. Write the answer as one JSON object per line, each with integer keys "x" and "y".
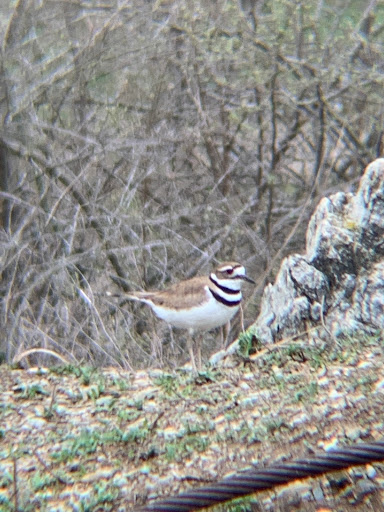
{"x": 180, "y": 449}
{"x": 28, "y": 391}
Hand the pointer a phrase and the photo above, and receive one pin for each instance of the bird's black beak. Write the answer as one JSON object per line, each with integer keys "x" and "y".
{"x": 248, "y": 279}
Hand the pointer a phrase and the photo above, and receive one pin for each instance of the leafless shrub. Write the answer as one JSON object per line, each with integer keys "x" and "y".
{"x": 142, "y": 141}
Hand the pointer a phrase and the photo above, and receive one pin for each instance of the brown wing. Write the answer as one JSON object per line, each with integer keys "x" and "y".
{"x": 181, "y": 295}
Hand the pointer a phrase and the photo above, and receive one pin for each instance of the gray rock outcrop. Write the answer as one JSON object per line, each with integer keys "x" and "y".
{"x": 337, "y": 287}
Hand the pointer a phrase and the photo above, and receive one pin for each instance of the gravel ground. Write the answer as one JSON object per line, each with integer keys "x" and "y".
{"x": 76, "y": 439}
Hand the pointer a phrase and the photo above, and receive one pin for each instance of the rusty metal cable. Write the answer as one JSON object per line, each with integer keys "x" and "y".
{"x": 255, "y": 479}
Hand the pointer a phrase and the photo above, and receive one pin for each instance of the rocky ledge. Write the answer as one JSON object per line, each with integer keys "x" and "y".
{"x": 337, "y": 287}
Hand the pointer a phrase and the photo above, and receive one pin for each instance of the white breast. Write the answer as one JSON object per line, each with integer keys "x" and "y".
{"x": 206, "y": 316}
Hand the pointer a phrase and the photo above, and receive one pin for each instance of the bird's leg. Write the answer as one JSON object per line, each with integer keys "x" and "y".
{"x": 242, "y": 318}
{"x": 159, "y": 349}
{"x": 199, "y": 340}
{"x": 225, "y": 335}
{"x": 190, "y": 350}
{"x": 156, "y": 344}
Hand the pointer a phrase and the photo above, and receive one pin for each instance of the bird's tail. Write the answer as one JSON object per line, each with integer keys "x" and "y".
{"x": 139, "y": 296}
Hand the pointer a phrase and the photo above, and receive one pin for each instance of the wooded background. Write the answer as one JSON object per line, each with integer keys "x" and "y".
{"x": 143, "y": 141}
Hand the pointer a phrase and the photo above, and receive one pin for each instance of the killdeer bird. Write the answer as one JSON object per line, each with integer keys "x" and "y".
{"x": 199, "y": 304}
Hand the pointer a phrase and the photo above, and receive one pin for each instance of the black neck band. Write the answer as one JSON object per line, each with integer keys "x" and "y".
{"x": 226, "y": 302}
{"x": 224, "y": 288}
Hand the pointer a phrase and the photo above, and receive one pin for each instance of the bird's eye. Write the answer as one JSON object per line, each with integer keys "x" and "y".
{"x": 229, "y": 271}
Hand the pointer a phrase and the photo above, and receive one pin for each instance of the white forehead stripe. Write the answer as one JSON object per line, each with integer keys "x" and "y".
{"x": 225, "y": 267}
{"x": 239, "y": 271}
